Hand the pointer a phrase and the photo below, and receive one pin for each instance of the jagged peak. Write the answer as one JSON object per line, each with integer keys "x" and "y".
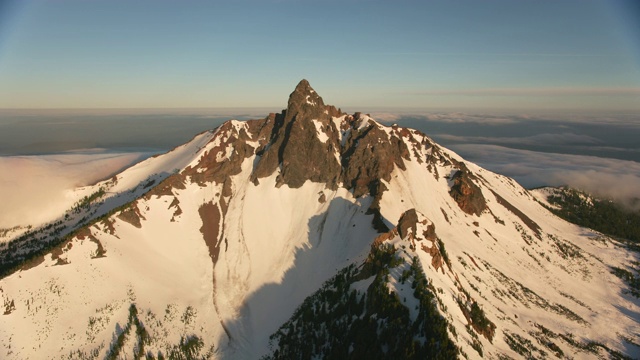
{"x": 304, "y": 85}
{"x": 304, "y": 96}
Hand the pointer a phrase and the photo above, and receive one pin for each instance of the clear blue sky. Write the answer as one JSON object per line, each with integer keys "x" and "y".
{"x": 466, "y": 54}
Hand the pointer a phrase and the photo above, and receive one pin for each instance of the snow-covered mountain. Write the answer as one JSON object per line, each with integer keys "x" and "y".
{"x": 313, "y": 233}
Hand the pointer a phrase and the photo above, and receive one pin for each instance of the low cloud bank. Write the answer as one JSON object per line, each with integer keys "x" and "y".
{"x": 35, "y": 189}
{"x": 622, "y": 119}
{"x": 612, "y": 178}
{"x": 564, "y": 139}
{"x": 451, "y": 118}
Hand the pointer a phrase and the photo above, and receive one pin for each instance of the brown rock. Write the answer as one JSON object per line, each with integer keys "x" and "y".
{"x": 466, "y": 193}
{"x": 369, "y": 155}
{"x": 132, "y": 215}
{"x": 295, "y": 147}
{"x": 214, "y": 167}
{"x": 211, "y": 228}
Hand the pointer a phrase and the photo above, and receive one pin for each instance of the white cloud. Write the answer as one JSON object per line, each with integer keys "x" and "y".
{"x": 454, "y": 117}
{"x": 539, "y": 91}
{"x": 625, "y": 119}
{"x": 617, "y": 179}
{"x": 33, "y": 188}
{"x": 538, "y": 139}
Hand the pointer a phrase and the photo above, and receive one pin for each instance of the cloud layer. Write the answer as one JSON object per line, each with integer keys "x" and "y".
{"x": 562, "y": 139}
{"x": 612, "y": 178}
{"x": 451, "y": 118}
{"x": 34, "y": 189}
{"x": 538, "y": 91}
{"x": 620, "y": 119}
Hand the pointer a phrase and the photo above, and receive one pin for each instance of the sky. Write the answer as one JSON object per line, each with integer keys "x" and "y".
{"x": 498, "y": 55}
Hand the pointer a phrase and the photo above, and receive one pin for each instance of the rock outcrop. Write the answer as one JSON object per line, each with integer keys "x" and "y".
{"x": 466, "y": 193}
{"x": 370, "y": 155}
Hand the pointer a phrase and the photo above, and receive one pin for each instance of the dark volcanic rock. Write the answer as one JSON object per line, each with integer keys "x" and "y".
{"x": 164, "y": 188}
{"x": 132, "y": 215}
{"x": 370, "y": 155}
{"x": 407, "y": 221}
{"x": 211, "y": 228}
{"x": 295, "y": 146}
{"x": 215, "y": 166}
{"x": 466, "y": 193}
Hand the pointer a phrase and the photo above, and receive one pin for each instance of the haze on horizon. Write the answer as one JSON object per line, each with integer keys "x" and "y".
{"x": 578, "y": 55}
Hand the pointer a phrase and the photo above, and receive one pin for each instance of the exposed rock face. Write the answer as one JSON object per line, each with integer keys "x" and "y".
{"x": 217, "y": 165}
{"x": 408, "y": 221}
{"x": 132, "y": 215}
{"x": 407, "y": 229}
{"x": 296, "y": 146}
{"x": 467, "y": 194}
{"x": 165, "y": 187}
{"x": 211, "y": 226}
{"x": 370, "y": 155}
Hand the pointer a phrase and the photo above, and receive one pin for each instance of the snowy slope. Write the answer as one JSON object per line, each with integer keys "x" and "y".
{"x": 208, "y": 250}
{"x": 22, "y": 181}
{"x": 91, "y": 202}
{"x": 168, "y": 264}
{"x": 524, "y": 280}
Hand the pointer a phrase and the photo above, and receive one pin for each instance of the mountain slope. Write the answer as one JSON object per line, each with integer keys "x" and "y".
{"x": 300, "y": 210}
{"x": 95, "y": 201}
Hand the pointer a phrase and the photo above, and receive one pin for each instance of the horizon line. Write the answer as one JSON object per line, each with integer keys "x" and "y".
{"x": 265, "y": 111}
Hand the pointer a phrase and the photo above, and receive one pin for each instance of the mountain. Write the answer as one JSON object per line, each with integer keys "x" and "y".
{"x": 314, "y": 233}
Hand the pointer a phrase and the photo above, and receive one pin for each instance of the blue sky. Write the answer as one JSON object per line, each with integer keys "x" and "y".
{"x": 515, "y": 55}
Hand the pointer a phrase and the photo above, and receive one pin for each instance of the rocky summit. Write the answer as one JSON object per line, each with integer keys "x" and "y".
{"x": 295, "y": 148}
{"x": 313, "y": 233}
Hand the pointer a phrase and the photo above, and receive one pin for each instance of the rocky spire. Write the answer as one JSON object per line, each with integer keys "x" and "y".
{"x": 304, "y": 142}
{"x": 305, "y": 101}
